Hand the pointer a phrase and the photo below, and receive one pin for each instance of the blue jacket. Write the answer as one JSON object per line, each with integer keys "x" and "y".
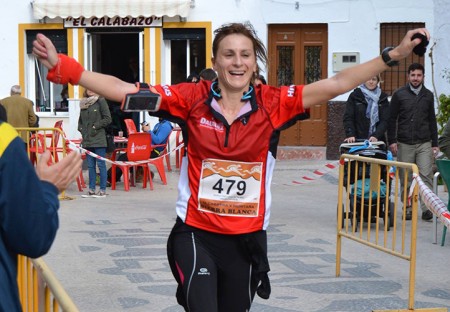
{"x": 160, "y": 133}
{"x": 28, "y": 214}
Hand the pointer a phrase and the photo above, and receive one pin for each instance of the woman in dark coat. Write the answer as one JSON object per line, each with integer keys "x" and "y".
{"x": 366, "y": 113}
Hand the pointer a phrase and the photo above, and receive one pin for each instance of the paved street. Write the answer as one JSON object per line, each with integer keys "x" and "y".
{"x": 110, "y": 252}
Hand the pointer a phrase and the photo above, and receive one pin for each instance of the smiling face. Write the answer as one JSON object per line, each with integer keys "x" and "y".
{"x": 235, "y": 63}
{"x": 415, "y": 77}
{"x": 372, "y": 83}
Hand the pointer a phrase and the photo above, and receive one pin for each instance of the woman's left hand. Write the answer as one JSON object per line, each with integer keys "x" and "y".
{"x": 407, "y": 45}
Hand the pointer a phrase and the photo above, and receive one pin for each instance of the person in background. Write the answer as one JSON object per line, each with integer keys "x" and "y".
{"x": 193, "y": 77}
{"x": 366, "y": 114}
{"x": 217, "y": 249}
{"x": 260, "y": 80}
{"x": 3, "y": 115}
{"x": 208, "y": 74}
{"x": 19, "y": 111}
{"x": 65, "y": 96}
{"x": 28, "y": 207}
{"x": 412, "y": 129}
{"x": 159, "y": 135}
{"x": 92, "y": 123}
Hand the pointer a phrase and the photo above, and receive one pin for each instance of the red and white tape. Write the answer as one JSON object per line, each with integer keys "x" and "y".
{"x": 316, "y": 174}
{"x": 432, "y": 201}
{"x": 74, "y": 146}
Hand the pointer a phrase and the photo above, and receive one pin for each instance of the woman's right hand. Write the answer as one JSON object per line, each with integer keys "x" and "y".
{"x": 394, "y": 149}
{"x": 350, "y": 140}
{"x": 45, "y": 51}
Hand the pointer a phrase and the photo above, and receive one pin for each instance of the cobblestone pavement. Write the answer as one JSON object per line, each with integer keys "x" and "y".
{"x": 110, "y": 253}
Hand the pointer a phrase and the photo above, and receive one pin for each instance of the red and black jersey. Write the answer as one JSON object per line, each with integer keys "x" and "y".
{"x": 225, "y": 177}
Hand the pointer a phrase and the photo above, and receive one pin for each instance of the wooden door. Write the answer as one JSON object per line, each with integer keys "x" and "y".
{"x": 298, "y": 55}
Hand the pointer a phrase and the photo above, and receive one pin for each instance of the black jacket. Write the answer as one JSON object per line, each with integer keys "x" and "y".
{"x": 412, "y": 117}
{"x": 356, "y": 124}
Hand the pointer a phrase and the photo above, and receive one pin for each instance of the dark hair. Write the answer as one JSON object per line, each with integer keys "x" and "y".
{"x": 262, "y": 79}
{"x": 416, "y": 66}
{"x": 241, "y": 29}
{"x": 208, "y": 74}
{"x": 191, "y": 77}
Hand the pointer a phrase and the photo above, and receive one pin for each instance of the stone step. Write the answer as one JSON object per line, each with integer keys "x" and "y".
{"x": 301, "y": 152}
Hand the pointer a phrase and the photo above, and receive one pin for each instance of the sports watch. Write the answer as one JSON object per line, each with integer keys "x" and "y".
{"x": 386, "y": 58}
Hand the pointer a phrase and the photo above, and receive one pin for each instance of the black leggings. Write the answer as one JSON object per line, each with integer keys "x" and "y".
{"x": 214, "y": 271}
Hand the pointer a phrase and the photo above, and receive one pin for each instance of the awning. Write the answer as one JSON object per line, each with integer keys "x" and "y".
{"x": 110, "y": 8}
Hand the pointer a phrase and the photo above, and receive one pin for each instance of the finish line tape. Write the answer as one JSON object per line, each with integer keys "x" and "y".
{"x": 117, "y": 162}
{"x": 433, "y": 202}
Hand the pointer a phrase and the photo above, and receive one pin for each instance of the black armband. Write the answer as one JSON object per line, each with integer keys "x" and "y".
{"x": 142, "y": 100}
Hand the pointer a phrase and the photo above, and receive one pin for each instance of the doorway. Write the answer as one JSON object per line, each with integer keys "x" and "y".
{"x": 298, "y": 54}
{"x": 116, "y": 52}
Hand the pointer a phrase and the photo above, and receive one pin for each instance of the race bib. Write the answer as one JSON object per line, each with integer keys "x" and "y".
{"x": 230, "y": 188}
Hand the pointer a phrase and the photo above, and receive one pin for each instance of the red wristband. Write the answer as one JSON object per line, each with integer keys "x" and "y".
{"x": 67, "y": 70}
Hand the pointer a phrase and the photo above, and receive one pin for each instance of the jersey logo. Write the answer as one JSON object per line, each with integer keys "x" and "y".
{"x": 211, "y": 124}
{"x": 167, "y": 90}
{"x": 291, "y": 91}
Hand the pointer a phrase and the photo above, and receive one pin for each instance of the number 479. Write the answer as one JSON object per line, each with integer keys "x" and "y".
{"x": 222, "y": 184}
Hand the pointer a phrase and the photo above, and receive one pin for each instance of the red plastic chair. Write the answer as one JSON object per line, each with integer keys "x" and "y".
{"x": 138, "y": 149}
{"x": 180, "y": 151}
{"x": 165, "y": 152}
{"x": 158, "y": 162}
{"x": 54, "y": 140}
{"x": 36, "y": 145}
{"x": 55, "y": 149}
{"x": 131, "y": 126}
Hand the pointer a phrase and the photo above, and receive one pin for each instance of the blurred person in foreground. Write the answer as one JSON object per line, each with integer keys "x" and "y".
{"x": 28, "y": 207}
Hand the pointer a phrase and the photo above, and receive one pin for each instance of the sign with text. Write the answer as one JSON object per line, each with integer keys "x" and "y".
{"x": 116, "y": 21}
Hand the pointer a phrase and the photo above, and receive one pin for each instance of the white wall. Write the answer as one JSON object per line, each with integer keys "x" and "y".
{"x": 441, "y": 37}
{"x": 353, "y": 25}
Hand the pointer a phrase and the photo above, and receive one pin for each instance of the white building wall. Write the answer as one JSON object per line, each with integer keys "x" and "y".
{"x": 441, "y": 37}
{"x": 353, "y": 25}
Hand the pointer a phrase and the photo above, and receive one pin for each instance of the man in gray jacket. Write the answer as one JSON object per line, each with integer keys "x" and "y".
{"x": 412, "y": 129}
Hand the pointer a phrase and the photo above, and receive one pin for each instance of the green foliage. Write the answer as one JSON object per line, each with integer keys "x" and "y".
{"x": 444, "y": 104}
{"x": 443, "y": 112}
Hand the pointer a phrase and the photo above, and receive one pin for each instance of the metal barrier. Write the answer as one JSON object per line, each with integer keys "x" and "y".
{"x": 368, "y": 192}
{"x": 39, "y": 290}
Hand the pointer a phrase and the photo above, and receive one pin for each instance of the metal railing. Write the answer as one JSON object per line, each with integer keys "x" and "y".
{"x": 369, "y": 197}
{"x": 39, "y": 290}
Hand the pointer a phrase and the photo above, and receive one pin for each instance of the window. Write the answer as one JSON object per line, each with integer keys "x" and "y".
{"x": 391, "y": 35}
{"x": 187, "y": 52}
{"x": 49, "y": 98}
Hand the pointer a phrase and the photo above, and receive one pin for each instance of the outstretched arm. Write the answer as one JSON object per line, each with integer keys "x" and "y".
{"x": 106, "y": 85}
{"x": 323, "y": 90}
